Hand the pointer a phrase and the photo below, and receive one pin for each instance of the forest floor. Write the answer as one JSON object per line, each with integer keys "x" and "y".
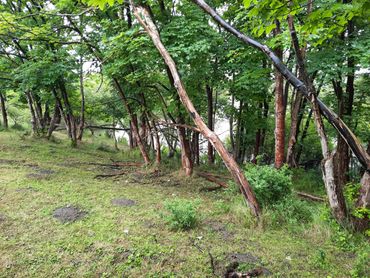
{"x": 58, "y": 220}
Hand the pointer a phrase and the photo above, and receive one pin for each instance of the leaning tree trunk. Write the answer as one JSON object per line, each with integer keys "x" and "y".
{"x": 3, "y": 111}
{"x": 144, "y": 18}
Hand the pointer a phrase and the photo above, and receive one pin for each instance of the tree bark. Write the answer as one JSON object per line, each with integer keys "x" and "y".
{"x": 33, "y": 115}
{"x": 134, "y": 124}
{"x": 54, "y": 120}
{"x": 82, "y": 111}
{"x": 186, "y": 161}
{"x": 279, "y": 109}
{"x": 143, "y": 17}
{"x": 333, "y": 119}
{"x": 3, "y": 111}
{"x": 231, "y": 123}
{"x": 211, "y": 157}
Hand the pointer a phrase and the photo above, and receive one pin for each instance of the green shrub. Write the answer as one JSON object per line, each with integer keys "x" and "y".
{"x": 270, "y": 185}
{"x": 290, "y": 211}
{"x": 182, "y": 214}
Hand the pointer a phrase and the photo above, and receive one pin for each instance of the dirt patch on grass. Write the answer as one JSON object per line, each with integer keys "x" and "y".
{"x": 122, "y": 202}
{"x": 40, "y": 173}
{"x": 26, "y": 189}
{"x": 69, "y": 214}
{"x": 219, "y": 228}
{"x": 2, "y": 218}
{"x": 243, "y": 258}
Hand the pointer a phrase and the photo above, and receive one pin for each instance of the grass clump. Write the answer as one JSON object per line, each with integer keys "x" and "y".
{"x": 290, "y": 211}
{"x": 181, "y": 214}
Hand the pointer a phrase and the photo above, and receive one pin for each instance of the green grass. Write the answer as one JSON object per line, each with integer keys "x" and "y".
{"x": 135, "y": 241}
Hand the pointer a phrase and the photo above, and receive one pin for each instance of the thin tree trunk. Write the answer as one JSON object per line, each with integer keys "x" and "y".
{"x": 3, "y": 111}
{"x": 211, "y": 158}
{"x": 82, "y": 111}
{"x": 186, "y": 160}
{"x": 33, "y": 115}
{"x": 238, "y": 132}
{"x": 279, "y": 109}
{"x": 231, "y": 123}
{"x": 157, "y": 143}
{"x": 114, "y": 135}
{"x": 144, "y": 18}
{"x": 54, "y": 120}
{"x": 294, "y": 126}
{"x": 134, "y": 124}
{"x": 71, "y": 121}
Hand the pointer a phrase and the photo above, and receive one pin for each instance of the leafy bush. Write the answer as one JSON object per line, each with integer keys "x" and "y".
{"x": 290, "y": 211}
{"x": 270, "y": 185}
{"x": 182, "y": 214}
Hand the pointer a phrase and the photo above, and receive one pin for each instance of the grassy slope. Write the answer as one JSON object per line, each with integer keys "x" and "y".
{"x": 34, "y": 244}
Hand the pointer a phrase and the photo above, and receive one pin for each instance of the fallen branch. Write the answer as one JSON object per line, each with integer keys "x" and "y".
{"x": 212, "y": 179}
{"x": 179, "y": 125}
{"x": 110, "y": 175}
{"x": 310, "y": 197}
{"x": 118, "y": 164}
{"x": 217, "y": 176}
{"x": 107, "y": 127}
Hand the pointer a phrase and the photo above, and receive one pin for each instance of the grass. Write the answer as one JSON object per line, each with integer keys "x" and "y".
{"x": 136, "y": 241}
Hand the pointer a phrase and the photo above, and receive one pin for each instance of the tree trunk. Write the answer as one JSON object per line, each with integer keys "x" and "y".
{"x": 231, "y": 123}
{"x": 294, "y": 126}
{"x": 186, "y": 161}
{"x": 143, "y": 17}
{"x": 33, "y": 115}
{"x": 71, "y": 121}
{"x": 195, "y": 144}
{"x": 279, "y": 109}
{"x": 238, "y": 137}
{"x": 134, "y": 124}
{"x": 3, "y": 111}
{"x": 82, "y": 112}
{"x": 157, "y": 143}
{"x": 211, "y": 157}
{"x": 54, "y": 120}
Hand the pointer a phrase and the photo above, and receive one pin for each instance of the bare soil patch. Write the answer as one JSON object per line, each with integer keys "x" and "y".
{"x": 122, "y": 202}
{"x": 69, "y": 214}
